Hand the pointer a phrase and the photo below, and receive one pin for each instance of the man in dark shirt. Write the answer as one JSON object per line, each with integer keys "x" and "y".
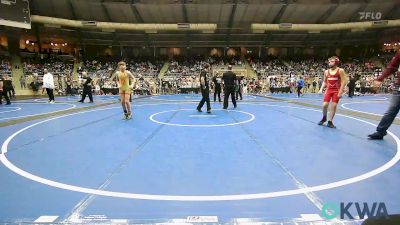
{"x": 230, "y": 81}
{"x": 352, "y": 84}
{"x": 87, "y": 88}
{"x": 394, "y": 106}
{"x": 4, "y": 88}
{"x": 8, "y": 87}
{"x": 217, "y": 87}
{"x": 239, "y": 88}
{"x": 205, "y": 90}
{"x": 314, "y": 86}
{"x": 68, "y": 82}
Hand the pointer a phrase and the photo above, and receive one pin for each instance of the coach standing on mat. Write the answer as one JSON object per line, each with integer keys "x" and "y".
{"x": 394, "y": 106}
{"x": 87, "y": 88}
{"x": 352, "y": 84}
{"x": 3, "y": 92}
{"x": 48, "y": 84}
{"x": 229, "y": 79}
{"x": 217, "y": 87}
{"x": 205, "y": 89}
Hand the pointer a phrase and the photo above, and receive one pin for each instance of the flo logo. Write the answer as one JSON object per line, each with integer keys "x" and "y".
{"x": 370, "y": 15}
{"x": 331, "y": 211}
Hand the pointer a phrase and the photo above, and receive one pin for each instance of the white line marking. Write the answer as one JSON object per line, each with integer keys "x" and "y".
{"x": 343, "y": 105}
{"x": 38, "y": 114}
{"x": 14, "y": 109}
{"x": 340, "y": 183}
{"x": 46, "y": 219}
{"x": 252, "y": 117}
{"x": 205, "y": 116}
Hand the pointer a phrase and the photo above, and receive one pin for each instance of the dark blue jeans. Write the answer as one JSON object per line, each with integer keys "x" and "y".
{"x": 390, "y": 114}
{"x": 205, "y": 99}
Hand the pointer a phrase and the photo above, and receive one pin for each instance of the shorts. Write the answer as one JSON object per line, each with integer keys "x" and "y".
{"x": 124, "y": 92}
{"x": 331, "y": 95}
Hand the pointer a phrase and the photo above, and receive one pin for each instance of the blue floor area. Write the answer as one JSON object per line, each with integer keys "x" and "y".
{"x": 170, "y": 149}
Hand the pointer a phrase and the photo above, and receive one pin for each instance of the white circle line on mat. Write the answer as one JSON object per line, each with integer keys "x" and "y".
{"x": 14, "y": 109}
{"x": 196, "y": 198}
{"x": 252, "y": 117}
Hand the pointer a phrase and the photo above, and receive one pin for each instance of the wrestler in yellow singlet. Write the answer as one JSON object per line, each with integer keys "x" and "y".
{"x": 123, "y": 79}
{"x": 125, "y": 82}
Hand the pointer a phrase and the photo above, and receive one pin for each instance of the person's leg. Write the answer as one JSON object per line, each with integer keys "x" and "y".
{"x": 128, "y": 105}
{"x": 226, "y": 97}
{"x": 219, "y": 94}
{"x": 90, "y": 96}
{"x": 332, "y": 111}
{"x": 48, "y": 93}
{"x": 389, "y": 115}
{"x": 208, "y": 101}
{"x": 7, "y": 98}
{"x": 233, "y": 97}
{"x": 335, "y": 101}
{"x": 122, "y": 98}
{"x": 52, "y": 94}
{"x": 215, "y": 94}
{"x": 327, "y": 99}
{"x": 240, "y": 94}
{"x": 324, "y": 113}
{"x": 83, "y": 95}
{"x": 201, "y": 103}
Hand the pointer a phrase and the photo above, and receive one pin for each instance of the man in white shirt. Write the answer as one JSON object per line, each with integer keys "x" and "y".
{"x": 48, "y": 84}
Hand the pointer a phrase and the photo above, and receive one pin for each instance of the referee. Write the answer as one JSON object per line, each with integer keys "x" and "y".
{"x": 87, "y": 88}
{"x": 205, "y": 90}
{"x": 4, "y": 91}
{"x": 230, "y": 80}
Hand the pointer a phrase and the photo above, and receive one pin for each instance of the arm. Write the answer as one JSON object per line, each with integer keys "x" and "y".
{"x": 391, "y": 68}
{"x": 343, "y": 81}
{"x": 132, "y": 79}
{"x": 202, "y": 81}
{"x": 51, "y": 79}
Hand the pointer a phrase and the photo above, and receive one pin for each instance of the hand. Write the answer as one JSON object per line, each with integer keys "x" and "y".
{"x": 320, "y": 91}
{"x": 377, "y": 84}
{"x": 340, "y": 94}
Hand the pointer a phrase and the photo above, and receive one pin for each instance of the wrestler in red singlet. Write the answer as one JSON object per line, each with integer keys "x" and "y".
{"x": 334, "y": 81}
{"x": 332, "y": 85}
